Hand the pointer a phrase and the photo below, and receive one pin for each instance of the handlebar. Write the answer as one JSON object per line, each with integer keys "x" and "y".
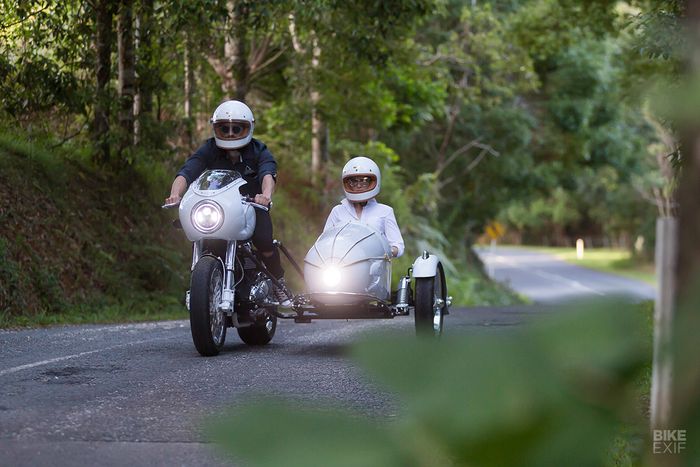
{"x": 247, "y": 199}
{"x": 251, "y": 201}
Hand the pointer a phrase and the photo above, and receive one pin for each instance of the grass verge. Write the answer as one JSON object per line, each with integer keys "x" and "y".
{"x": 146, "y": 307}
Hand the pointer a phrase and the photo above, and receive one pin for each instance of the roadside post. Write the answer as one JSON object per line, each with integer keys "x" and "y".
{"x": 662, "y": 366}
{"x": 579, "y": 249}
{"x": 494, "y": 230}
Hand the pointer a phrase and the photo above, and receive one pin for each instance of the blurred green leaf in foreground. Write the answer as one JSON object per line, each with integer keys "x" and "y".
{"x": 555, "y": 392}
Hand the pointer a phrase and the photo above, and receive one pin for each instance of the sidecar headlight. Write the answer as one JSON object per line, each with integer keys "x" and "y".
{"x": 207, "y": 216}
{"x": 331, "y": 276}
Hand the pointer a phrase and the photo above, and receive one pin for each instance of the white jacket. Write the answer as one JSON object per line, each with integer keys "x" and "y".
{"x": 378, "y": 216}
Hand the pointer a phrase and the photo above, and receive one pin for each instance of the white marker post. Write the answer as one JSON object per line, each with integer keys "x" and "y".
{"x": 579, "y": 248}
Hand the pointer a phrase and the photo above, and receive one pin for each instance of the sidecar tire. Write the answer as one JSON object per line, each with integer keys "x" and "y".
{"x": 259, "y": 333}
{"x": 207, "y": 281}
{"x": 428, "y": 317}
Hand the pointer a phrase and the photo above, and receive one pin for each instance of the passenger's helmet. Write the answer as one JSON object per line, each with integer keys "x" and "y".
{"x": 361, "y": 179}
{"x": 233, "y": 124}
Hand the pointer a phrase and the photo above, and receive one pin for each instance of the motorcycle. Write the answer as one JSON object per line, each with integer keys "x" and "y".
{"x": 347, "y": 272}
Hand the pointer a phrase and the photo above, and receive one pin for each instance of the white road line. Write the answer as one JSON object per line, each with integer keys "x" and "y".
{"x": 548, "y": 275}
{"x": 571, "y": 282}
{"x": 81, "y": 354}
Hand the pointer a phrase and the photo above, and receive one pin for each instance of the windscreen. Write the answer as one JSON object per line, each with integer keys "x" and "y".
{"x": 216, "y": 179}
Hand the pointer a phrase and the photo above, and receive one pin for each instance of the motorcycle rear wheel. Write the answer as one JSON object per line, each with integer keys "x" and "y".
{"x": 207, "y": 321}
{"x": 259, "y": 333}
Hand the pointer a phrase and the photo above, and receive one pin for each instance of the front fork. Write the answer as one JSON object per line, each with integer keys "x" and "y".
{"x": 227, "y": 295}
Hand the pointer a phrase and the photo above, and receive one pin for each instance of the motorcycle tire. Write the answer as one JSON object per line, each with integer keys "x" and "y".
{"x": 428, "y": 314}
{"x": 259, "y": 333}
{"x": 207, "y": 322}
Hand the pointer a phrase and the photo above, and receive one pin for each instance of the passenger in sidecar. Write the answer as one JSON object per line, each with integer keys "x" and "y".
{"x": 348, "y": 270}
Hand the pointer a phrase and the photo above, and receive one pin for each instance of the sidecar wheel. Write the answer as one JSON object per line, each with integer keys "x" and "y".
{"x": 260, "y": 333}
{"x": 430, "y": 304}
{"x": 207, "y": 322}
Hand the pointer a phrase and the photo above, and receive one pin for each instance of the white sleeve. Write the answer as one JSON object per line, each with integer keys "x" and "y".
{"x": 393, "y": 234}
{"x": 332, "y": 220}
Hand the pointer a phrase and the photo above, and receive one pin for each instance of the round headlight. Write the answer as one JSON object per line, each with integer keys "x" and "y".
{"x": 207, "y": 216}
{"x": 331, "y": 276}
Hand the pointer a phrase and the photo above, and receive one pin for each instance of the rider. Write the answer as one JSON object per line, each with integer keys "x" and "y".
{"x": 234, "y": 148}
{"x": 361, "y": 182}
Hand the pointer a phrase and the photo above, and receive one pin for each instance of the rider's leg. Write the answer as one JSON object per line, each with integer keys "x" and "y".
{"x": 262, "y": 239}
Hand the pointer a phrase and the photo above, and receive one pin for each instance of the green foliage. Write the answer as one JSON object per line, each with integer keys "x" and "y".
{"x": 541, "y": 395}
{"x": 69, "y": 239}
{"x": 530, "y": 111}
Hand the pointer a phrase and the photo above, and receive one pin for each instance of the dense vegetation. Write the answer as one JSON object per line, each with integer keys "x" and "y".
{"x": 531, "y": 112}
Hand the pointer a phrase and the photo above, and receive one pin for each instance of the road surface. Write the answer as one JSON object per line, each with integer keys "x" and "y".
{"x": 137, "y": 394}
{"x": 548, "y": 280}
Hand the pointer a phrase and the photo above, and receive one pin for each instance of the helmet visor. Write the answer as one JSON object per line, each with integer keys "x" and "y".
{"x": 360, "y": 183}
{"x": 231, "y": 130}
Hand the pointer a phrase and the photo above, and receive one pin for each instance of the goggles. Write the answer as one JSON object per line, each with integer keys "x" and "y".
{"x": 232, "y": 130}
{"x": 359, "y": 183}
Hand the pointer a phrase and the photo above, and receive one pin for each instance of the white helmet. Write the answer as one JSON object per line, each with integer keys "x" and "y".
{"x": 233, "y": 124}
{"x": 361, "y": 179}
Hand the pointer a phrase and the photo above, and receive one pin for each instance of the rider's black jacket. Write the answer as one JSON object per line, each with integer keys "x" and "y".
{"x": 252, "y": 161}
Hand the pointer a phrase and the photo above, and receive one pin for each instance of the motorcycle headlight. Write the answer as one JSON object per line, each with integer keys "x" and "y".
{"x": 207, "y": 216}
{"x": 331, "y": 276}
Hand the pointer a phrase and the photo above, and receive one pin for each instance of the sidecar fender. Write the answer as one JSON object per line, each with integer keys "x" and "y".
{"x": 426, "y": 266}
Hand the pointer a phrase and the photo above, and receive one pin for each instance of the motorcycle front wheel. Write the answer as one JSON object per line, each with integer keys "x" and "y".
{"x": 431, "y": 294}
{"x": 207, "y": 321}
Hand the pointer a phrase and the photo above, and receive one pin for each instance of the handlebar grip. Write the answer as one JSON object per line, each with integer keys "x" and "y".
{"x": 252, "y": 202}
{"x": 258, "y": 206}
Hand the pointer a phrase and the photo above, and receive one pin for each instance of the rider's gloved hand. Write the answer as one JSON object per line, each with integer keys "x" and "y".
{"x": 262, "y": 199}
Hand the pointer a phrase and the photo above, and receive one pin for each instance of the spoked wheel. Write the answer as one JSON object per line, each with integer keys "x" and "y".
{"x": 261, "y": 332}
{"x": 430, "y": 304}
{"x": 207, "y": 321}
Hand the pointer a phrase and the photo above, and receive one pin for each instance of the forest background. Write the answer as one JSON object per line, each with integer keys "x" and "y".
{"x": 539, "y": 114}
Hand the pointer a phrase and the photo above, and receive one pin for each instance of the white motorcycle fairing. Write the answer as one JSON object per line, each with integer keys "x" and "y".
{"x": 222, "y": 188}
{"x": 349, "y": 264}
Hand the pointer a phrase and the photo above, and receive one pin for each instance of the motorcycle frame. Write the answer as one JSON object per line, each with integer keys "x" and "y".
{"x": 233, "y": 247}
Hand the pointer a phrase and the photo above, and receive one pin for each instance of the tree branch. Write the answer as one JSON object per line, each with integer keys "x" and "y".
{"x": 267, "y": 63}
{"x": 295, "y": 39}
{"x": 34, "y": 13}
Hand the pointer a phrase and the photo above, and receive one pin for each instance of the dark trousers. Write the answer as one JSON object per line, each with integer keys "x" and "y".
{"x": 262, "y": 239}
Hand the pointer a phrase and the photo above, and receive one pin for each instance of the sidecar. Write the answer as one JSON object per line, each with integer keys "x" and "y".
{"x": 348, "y": 276}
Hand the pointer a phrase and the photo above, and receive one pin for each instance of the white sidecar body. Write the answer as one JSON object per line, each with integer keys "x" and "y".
{"x": 349, "y": 264}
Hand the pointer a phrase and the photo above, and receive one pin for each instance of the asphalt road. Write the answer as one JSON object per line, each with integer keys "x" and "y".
{"x": 548, "y": 280}
{"x": 138, "y": 394}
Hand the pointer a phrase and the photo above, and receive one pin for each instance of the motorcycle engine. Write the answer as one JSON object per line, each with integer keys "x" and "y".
{"x": 261, "y": 289}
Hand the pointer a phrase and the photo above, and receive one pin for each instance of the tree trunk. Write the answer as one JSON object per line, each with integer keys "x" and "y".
{"x": 685, "y": 406}
{"x": 688, "y": 265}
{"x": 236, "y": 52}
{"x": 137, "y": 79}
{"x": 143, "y": 98}
{"x": 146, "y": 82}
{"x": 103, "y": 47}
{"x": 317, "y": 126}
{"x": 127, "y": 72}
{"x": 233, "y": 67}
{"x": 187, "y": 104}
